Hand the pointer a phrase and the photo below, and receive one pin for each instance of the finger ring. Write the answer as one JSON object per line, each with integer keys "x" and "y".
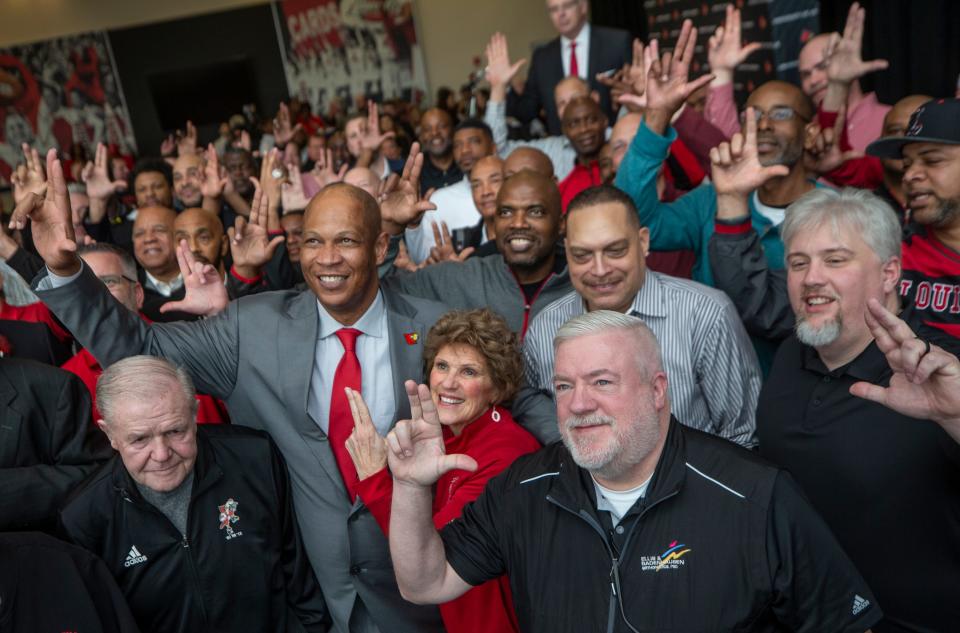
{"x": 926, "y": 349}
{"x": 277, "y": 173}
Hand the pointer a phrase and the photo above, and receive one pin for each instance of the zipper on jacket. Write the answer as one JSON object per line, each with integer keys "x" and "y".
{"x": 185, "y": 545}
{"x": 527, "y": 305}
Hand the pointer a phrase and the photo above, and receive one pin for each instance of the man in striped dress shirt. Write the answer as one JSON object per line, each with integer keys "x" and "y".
{"x": 715, "y": 374}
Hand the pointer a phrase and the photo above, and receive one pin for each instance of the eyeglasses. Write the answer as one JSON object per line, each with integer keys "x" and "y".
{"x": 776, "y": 115}
{"x": 115, "y": 281}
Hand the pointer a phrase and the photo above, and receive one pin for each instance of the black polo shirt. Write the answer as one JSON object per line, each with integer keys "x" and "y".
{"x": 721, "y": 541}
{"x": 432, "y": 177}
{"x": 888, "y": 485}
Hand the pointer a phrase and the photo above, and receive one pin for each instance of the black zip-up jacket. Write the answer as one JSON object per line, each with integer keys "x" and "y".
{"x": 239, "y": 568}
{"x": 722, "y": 541}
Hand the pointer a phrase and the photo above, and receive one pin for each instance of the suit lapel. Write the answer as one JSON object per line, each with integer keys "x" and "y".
{"x": 593, "y": 59}
{"x": 11, "y": 422}
{"x": 297, "y": 352}
{"x": 407, "y": 336}
{"x": 556, "y": 64}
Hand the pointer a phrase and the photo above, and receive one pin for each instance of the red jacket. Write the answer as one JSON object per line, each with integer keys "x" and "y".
{"x": 86, "y": 367}
{"x": 34, "y": 313}
{"x": 487, "y": 608}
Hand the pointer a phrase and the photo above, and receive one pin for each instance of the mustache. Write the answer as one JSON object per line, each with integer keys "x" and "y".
{"x": 576, "y": 421}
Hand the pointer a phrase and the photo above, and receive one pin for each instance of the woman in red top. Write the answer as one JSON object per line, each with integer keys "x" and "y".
{"x": 474, "y": 365}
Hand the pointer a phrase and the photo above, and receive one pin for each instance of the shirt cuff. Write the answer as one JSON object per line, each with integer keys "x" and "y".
{"x": 248, "y": 281}
{"x": 53, "y": 280}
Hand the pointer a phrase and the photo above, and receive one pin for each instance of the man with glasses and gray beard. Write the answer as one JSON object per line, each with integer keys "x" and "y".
{"x": 662, "y": 526}
{"x": 881, "y": 480}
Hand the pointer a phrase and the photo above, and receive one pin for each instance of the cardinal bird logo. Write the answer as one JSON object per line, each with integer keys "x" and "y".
{"x": 412, "y": 338}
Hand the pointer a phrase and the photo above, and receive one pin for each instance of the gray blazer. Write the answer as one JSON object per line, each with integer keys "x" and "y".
{"x": 257, "y": 356}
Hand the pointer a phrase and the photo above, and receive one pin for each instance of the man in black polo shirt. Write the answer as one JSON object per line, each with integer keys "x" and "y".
{"x": 887, "y": 485}
{"x": 436, "y": 139}
{"x": 633, "y": 523}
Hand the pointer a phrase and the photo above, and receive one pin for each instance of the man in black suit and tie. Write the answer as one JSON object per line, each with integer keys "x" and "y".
{"x": 281, "y": 362}
{"x": 581, "y": 49}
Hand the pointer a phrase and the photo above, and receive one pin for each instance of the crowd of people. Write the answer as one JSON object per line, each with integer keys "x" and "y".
{"x": 673, "y": 365}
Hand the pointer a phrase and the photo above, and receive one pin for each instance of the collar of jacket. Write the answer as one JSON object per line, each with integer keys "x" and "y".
{"x": 573, "y": 487}
{"x": 206, "y": 472}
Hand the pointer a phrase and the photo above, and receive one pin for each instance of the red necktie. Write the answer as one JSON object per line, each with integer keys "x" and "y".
{"x": 574, "y": 69}
{"x": 341, "y": 420}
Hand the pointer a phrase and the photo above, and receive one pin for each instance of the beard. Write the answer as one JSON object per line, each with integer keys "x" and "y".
{"x": 788, "y": 155}
{"x": 819, "y": 336}
{"x": 943, "y": 216}
{"x": 629, "y": 445}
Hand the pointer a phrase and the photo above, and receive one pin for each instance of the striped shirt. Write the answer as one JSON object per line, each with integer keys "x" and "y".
{"x": 712, "y": 370}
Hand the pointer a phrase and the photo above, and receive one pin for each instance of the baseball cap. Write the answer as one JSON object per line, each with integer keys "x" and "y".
{"x": 936, "y": 121}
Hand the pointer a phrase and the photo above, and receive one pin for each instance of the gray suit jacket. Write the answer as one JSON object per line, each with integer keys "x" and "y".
{"x": 257, "y": 356}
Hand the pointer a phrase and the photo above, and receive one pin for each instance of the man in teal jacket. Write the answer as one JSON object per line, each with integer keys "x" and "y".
{"x": 782, "y": 112}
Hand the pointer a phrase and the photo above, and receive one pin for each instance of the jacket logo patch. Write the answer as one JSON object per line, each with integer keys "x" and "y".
{"x": 411, "y": 338}
{"x": 672, "y": 558}
{"x": 229, "y": 518}
{"x": 134, "y": 557}
{"x": 859, "y": 604}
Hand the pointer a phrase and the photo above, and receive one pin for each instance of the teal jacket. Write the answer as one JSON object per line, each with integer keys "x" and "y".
{"x": 687, "y": 222}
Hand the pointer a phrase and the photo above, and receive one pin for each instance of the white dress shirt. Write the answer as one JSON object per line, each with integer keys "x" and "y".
{"x": 373, "y": 351}
{"x": 166, "y": 288}
{"x": 582, "y": 52}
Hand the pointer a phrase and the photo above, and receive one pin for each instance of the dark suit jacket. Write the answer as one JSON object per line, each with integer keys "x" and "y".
{"x": 47, "y": 442}
{"x": 257, "y": 356}
{"x": 609, "y": 49}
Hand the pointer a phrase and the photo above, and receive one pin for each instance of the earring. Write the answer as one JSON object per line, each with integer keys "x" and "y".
{"x": 495, "y": 416}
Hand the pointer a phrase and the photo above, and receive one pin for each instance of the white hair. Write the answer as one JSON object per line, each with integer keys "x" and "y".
{"x": 649, "y": 356}
{"x": 140, "y": 377}
{"x": 866, "y": 213}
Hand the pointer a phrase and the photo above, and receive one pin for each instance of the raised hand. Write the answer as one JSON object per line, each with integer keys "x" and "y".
{"x": 367, "y": 448}
{"x": 323, "y": 170}
{"x": 213, "y": 182}
{"x": 272, "y": 175}
{"x": 291, "y": 192}
{"x": 205, "y": 294}
{"x": 926, "y": 378}
{"x": 822, "y": 153}
{"x": 29, "y": 177}
{"x": 667, "y": 85}
{"x": 403, "y": 205}
{"x": 283, "y": 131}
{"x": 629, "y": 85}
{"x": 250, "y": 244}
{"x": 403, "y": 262}
{"x": 417, "y": 456}
{"x": 168, "y": 146}
{"x": 96, "y": 176}
{"x": 372, "y": 138}
{"x": 444, "y": 250}
{"x": 187, "y": 141}
{"x": 52, "y": 230}
{"x": 725, "y": 51}
{"x": 844, "y": 53}
{"x": 500, "y": 71}
{"x": 736, "y": 168}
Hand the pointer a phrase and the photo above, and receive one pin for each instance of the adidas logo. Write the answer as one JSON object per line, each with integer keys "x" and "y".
{"x": 859, "y": 604}
{"x": 135, "y": 558}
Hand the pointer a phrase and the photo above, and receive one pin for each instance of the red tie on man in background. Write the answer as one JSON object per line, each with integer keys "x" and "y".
{"x": 341, "y": 420}
{"x": 574, "y": 69}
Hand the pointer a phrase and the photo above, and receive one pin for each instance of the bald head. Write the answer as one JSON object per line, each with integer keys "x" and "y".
{"x": 783, "y": 93}
{"x": 546, "y": 190}
{"x": 812, "y": 67}
{"x": 364, "y": 178}
{"x": 203, "y": 233}
{"x": 528, "y": 158}
{"x": 332, "y": 197}
{"x": 153, "y": 244}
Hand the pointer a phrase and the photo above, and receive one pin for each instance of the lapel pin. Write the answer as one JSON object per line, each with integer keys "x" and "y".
{"x": 411, "y": 338}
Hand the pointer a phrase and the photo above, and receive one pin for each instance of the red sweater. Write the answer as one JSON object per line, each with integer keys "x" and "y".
{"x": 487, "y": 608}
{"x": 33, "y": 313}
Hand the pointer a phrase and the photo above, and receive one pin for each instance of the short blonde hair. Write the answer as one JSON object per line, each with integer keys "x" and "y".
{"x": 488, "y": 333}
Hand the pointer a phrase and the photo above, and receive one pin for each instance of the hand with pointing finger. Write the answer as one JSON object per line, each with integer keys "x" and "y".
{"x": 205, "y": 294}
{"x": 367, "y": 448}
{"x": 417, "y": 456}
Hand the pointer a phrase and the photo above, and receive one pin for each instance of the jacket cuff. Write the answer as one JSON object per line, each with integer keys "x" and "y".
{"x": 236, "y": 275}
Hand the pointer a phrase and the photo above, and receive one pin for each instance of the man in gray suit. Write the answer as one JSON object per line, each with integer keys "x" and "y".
{"x": 275, "y": 359}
